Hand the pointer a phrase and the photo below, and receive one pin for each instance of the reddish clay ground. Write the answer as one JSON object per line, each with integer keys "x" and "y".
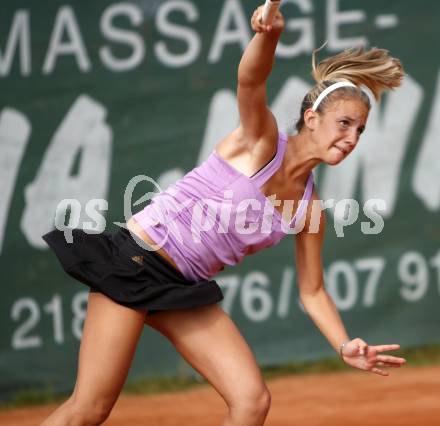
{"x": 409, "y": 397}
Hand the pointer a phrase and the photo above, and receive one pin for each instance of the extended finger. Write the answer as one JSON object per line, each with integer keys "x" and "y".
{"x": 391, "y": 359}
{"x": 379, "y": 371}
{"x": 387, "y": 364}
{"x": 385, "y": 348}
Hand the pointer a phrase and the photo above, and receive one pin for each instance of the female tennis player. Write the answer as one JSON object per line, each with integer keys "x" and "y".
{"x": 170, "y": 288}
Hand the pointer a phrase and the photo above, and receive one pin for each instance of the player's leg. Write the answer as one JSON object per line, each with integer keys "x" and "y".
{"x": 209, "y": 340}
{"x": 110, "y": 335}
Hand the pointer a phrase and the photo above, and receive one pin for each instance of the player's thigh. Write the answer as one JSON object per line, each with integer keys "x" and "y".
{"x": 110, "y": 335}
{"x": 209, "y": 340}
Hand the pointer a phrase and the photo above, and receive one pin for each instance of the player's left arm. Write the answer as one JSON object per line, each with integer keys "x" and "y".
{"x": 315, "y": 299}
{"x": 319, "y": 305}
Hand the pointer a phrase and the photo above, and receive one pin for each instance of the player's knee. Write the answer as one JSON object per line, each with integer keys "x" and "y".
{"x": 254, "y": 403}
{"x": 90, "y": 413}
{"x": 263, "y": 400}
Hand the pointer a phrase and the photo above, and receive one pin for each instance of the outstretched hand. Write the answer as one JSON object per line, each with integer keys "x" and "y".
{"x": 358, "y": 354}
{"x": 257, "y": 24}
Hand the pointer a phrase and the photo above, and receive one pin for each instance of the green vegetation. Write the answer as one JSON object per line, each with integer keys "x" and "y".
{"x": 421, "y": 356}
{"x": 31, "y": 397}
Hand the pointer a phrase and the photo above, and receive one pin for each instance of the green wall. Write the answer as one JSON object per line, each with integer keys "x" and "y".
{"x": 93, "y": 94}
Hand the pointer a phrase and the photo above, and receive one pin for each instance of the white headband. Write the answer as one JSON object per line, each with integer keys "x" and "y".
{"x": 330, "y": 89}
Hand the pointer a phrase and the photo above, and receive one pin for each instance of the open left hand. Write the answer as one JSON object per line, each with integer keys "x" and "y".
{"x": 358, "y": 354}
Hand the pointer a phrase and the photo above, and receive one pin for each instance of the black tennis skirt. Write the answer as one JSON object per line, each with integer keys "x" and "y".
{"x": 116, "y": 265}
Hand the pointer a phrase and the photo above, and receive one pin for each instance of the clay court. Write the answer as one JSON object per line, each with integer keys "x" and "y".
{"x": 409, "y": 397}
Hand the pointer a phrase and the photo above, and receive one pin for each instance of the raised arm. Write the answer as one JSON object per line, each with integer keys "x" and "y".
{"x": 255, "y": 66}
{"x": 320, "y": 307}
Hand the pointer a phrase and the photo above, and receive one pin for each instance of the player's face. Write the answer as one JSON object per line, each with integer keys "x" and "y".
{"x": 340, "y": 127}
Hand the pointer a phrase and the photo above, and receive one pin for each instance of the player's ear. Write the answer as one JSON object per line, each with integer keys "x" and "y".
{"x": 311, "y": 119}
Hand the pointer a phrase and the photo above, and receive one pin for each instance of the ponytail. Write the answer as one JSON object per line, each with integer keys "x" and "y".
{"x": 374, "y": 69}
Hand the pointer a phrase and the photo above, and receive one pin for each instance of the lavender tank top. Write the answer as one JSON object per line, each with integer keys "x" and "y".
{"x": 215, "y": 216}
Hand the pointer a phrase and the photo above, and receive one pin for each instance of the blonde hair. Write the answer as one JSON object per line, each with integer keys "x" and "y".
{"x": 374, "y": 69}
